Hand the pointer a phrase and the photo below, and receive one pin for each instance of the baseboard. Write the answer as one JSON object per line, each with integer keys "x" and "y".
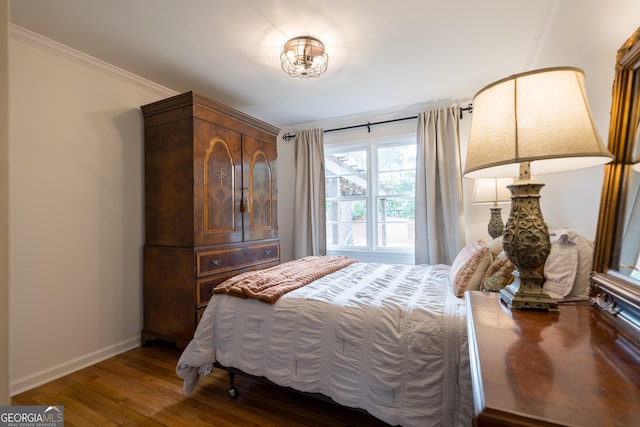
{"x": 38, "y": 378}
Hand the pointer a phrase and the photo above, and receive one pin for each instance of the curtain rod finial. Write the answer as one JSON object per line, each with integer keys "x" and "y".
{"x": 468, "y": 108}
{"x": 288, "y": 136}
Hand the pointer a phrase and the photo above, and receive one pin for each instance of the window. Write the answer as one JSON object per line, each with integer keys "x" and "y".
{"x": 370, "y": 196}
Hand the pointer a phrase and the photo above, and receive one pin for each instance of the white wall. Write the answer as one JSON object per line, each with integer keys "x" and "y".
{"x": 286, "y": 182}
{"x": 572, "y": 199}
{"x": 75, "y": 207}
{"x": 4, "y": 210}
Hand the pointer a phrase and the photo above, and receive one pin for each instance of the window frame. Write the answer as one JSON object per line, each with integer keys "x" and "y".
{"x": 372, "y": 252}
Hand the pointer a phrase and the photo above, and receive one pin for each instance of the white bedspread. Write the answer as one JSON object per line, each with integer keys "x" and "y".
{"x": 390, "y": 339}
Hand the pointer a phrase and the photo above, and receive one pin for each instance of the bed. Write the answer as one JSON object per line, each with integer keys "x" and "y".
{"x": 388, "y": 339}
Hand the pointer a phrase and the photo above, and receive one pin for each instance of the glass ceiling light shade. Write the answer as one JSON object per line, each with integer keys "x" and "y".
{"x": 535, "y": 122}
{"x": 304, "y": 57}
{"x": 541, "y": 117}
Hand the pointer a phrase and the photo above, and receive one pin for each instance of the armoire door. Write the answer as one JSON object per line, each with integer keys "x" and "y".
{"x": 260, "y": 189}
{"x": 217, "y": 184}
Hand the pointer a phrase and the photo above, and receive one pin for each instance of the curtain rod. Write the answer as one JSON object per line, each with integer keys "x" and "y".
{"x": 288, "y": 136}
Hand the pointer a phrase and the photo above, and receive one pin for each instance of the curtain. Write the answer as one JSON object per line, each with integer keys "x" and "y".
{"x": 439, "y": 204}
{"x": 309, "y": 227}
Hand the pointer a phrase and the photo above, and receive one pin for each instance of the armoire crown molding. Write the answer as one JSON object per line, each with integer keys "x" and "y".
{"x": 51, "y": 46}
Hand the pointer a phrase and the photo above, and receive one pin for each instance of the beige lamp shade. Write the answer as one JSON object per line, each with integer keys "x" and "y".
{"x": 491, "y": 190}
{"x": 541, "y": 117}
{"x": 636, "y": 167}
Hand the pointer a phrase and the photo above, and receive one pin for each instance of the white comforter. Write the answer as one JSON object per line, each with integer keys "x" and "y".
{"x": 390, "y": 339}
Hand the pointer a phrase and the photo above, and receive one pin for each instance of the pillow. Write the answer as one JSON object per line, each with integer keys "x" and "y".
{"x": 585, "y": 264}
{"x": 498, "y": 275}
{"x": 561, "y": 266}
{"x": 469, "y": 267}
{"x": 495, "y": 246}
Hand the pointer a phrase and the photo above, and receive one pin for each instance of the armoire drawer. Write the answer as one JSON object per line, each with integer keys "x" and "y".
{"x": 235, "y": 257}
{"x": 204, "y": 287}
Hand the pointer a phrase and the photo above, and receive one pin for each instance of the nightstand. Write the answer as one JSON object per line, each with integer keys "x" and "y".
{"x": 533, "y": 368}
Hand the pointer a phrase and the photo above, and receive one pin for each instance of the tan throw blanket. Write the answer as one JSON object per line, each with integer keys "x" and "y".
{"x": 270, "y": 284}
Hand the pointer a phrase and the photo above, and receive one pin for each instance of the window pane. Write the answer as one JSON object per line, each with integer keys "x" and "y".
{"x": 346, "y": 191}
{"x": 331, "y": 185}
{"x": 347, "y": 222}
{"x": 397, "y": 170}
{"x": 348, "y": 170}
{"x": 397, "y": 157}
{"x": 356, "y": 160}
{"x": 396, "y": 225}
{"x": 397, "y": 183}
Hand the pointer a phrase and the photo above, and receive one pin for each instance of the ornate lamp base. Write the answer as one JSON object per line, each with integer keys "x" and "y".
{"x": 522, "y": 294}
{"x": 496, "y": 226}
{"x": 526, "y": 242}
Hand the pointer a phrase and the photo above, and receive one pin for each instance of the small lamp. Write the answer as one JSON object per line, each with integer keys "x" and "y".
{"x": 636, "y": 167}
{"x": 534, "y": 122}
{"x": 494, "y": 191}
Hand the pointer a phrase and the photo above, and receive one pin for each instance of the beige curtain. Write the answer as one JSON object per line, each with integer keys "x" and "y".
{"x": 439, "y": 204}
{"x": 309, "y": 227}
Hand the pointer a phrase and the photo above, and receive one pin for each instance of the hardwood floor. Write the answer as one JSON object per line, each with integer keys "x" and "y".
{"x": 140, "y": 388}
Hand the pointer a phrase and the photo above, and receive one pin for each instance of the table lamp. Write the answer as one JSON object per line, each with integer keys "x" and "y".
{"x": 535, "y": 122}
{"x": 494, "y": 191}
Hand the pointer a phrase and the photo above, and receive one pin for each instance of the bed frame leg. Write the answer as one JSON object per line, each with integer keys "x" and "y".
{"x": 233, "y": 391}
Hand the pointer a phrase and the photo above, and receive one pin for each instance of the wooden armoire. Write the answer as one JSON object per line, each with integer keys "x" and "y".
{"x": 210, "y": 207}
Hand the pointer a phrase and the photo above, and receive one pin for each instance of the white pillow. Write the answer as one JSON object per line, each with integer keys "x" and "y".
{"x": 561, "y": 266}
{"x": 585, "y": 265}
{"x": 568, "y": 268}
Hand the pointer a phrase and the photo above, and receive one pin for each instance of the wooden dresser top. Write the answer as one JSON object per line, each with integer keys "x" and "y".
{"x": 537, "y": 368}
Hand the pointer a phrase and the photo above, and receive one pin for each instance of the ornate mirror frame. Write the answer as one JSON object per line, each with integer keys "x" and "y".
{"x": 615, "y": 293}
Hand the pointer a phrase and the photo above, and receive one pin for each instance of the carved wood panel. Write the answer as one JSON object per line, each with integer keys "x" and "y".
{"x": 260, "y": 189}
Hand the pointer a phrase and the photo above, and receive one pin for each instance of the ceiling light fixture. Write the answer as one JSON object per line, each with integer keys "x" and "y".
{"x": 304, "y": 57}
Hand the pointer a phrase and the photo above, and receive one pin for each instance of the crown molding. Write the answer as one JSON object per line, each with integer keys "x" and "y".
{"x": 53, "y": 47}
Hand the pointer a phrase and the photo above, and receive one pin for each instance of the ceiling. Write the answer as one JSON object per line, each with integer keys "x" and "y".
{"x": 382, "y": 54}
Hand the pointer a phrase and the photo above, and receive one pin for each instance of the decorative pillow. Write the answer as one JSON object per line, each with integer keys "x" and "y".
{"x": 561, "y": 266}
{"x": 498, "y": 275}
{"x": 585, "y": 264}
{"x": 469, "y": 267}
{"x": 495, "y": 246}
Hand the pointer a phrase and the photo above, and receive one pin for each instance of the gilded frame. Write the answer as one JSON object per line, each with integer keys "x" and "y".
{"x": 613, "y": 292}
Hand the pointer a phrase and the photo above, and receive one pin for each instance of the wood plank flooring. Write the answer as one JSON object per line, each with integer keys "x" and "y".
{"x": 140, "y": 388}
